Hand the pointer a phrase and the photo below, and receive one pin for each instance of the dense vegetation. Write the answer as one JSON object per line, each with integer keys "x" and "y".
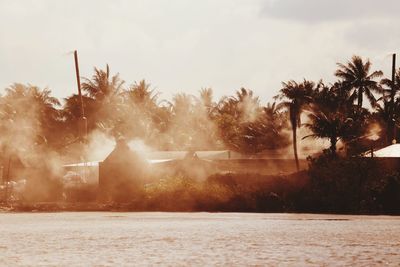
{"x": 33, "y": 123}
{"x": 33, "y": 119}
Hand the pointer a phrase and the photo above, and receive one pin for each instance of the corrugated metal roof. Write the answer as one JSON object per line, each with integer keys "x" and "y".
{"x": 165, "y": 156}
{"x": 392, "y": 151}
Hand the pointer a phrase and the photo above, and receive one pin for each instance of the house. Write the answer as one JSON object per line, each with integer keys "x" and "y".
{"x": 121, "y": 173}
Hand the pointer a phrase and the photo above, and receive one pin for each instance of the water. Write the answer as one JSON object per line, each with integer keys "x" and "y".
{"x": 197, "y": 239}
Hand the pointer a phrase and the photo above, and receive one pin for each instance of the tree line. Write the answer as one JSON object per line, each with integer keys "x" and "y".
{"x": 31, "y": 119}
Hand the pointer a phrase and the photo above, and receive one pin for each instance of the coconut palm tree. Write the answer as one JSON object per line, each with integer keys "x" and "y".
{"x": 248, "y": 105}
{"x": 206, "y": 97}
{"x": 30, "y": 114}
{"x": 108, "y": 101}
{"x": 331, "y": 125}
{"x": 100, "y": 86}
{"x": 49, "y": 115}
{"x": 141, "y": 95}
{"x": 387, "y": 116}
{"x": 388, "y": 83}
{"x": 297, "y": 96}
{"x": 235, "y": 116}
{"x": 271, "y": 124}
{"x": 390, "y": 90}
{"x": 183, "y": 104}
{"x": 139, "y": 114}
{"x": 333, "y": 116}
{"x": 71, "y": 114}
{"x": 358, "y": 79}
{"x": 271, "y": 111}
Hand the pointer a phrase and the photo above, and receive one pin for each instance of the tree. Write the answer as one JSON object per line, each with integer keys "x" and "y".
{"x": 138, "y": 112}
{"x": 183, "y": 131}
{"x": 247, "y": 127}
{"x": 140, "y": 95}
{"x": 71, "y": 114}
{"x": 387, "y": 117}
{"x": 388, "y": 84}
{"x": 272, "y": 122}
{"x": 29, "y": 117}
{"x": 357, "y": 78}
{"x": 331, "y": 125}
{"x": 106, "y": 93}
{"x": 333, "y": 116}
{"x": 206, "y": 98}
{"x": 236, "y": 118}
{"x": 101, "y": 87}
{"x": 390, "y": 105}
{"x": 297, "y": 96}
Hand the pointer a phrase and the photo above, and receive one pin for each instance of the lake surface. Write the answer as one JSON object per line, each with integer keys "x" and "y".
{"x": 197, "y": 239}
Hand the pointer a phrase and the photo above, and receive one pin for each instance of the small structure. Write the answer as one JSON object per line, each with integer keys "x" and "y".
{"x": 392, "y": 151}
{"x": 121, "y": 173}
{"x": 268, "y": 162}
{"x": 388, "y": 157}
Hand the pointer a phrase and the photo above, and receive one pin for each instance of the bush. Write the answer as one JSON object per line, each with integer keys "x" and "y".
{"x": 350, "y": 185}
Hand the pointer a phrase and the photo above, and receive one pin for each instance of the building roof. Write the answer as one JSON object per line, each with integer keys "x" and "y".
{"x": 166, "y": 156}
{"x": 392, "y": 151}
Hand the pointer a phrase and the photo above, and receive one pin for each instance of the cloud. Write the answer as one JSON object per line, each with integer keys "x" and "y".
{"x": 180, "y": 45}
{"x": 313, "y": 11}
{"x": 381, "y": 35}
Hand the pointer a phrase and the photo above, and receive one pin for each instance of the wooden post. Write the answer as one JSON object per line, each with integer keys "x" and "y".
{"x": 78, "y": 81}
{"x": 83, "y": 121}
{"x": 393, "y": 97}
{"x": 392, "y": 118}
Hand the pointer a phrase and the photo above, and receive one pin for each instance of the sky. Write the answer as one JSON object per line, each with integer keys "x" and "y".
{"x": 183, "y": 46}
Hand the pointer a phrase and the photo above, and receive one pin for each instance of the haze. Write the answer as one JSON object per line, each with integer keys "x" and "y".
{"x": 179, "y": 45}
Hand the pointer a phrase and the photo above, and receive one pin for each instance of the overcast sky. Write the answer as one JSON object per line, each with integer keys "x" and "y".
{"x": 183, "y": 45}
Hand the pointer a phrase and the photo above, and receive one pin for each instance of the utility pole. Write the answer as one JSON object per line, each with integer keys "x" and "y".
{"x": 82, "y": 121}
{"x": 392, "y": 118}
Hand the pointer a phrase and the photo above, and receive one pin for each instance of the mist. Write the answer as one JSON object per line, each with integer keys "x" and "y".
{"x": 131, "y": 145}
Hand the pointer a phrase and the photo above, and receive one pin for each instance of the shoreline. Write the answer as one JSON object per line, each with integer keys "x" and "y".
{"x": 97, "y": 207}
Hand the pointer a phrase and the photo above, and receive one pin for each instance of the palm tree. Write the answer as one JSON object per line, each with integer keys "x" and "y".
{"x": 343, "y": 97}
{"x": 331, "y": 125}
{"x": 71, "y": 113}
{"x": 333, "y": 116}
{"x": 248, "y": 105}
{"x": 30, "y": 114}
{"x": 272, "y": 122}
{"x": 141, "y": 95}
{"x": 297, "y": 96}
{"x": 48, "y": 113}
{"x": 108, "y": 101}
{"x": 101, "y": 86}
{"x": 271, "y": 111}
{"x": 388, "y": 83}
{"x": 206, "y": 97}
{"x": 33, "y": 99}
{"x": 390, "y": 91}
{"x": 247, "y": 127}
{"x": 236, "y": 117}
{"x": 387, "y": 116}
{"x": 357, "y": 78}
{"x": 182, "y": 104}
{"x": 139, "y": 114}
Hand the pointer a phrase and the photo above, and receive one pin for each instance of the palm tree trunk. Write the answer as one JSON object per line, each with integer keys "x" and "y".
{"x": 294, "y": 130}
{"x": 333, "y": 145}
{"x": 360, "y": 98}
